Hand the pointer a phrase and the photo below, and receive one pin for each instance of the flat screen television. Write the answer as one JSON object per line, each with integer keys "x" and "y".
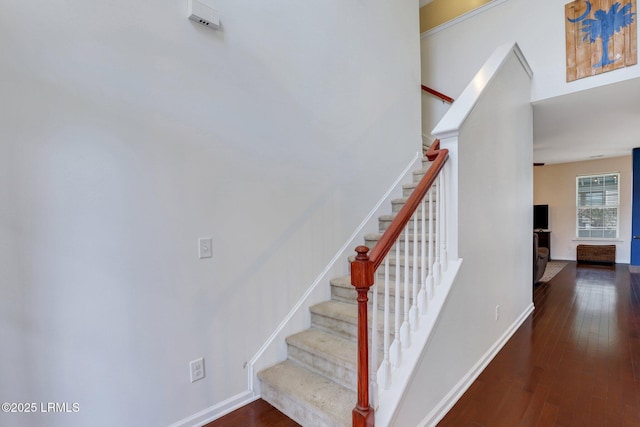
{"x": 540, "y": 217}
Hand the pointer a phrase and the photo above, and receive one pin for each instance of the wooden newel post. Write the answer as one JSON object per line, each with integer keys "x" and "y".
{"x": 362, "y": 279}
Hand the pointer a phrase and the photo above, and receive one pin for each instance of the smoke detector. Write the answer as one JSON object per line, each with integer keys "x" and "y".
{"x": 203, "y": 14}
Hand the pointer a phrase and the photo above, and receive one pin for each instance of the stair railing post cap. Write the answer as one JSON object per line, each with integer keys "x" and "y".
{"x": 362, "y": 253}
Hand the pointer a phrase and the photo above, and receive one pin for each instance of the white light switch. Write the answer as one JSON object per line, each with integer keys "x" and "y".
{"x": 204, "y": 247}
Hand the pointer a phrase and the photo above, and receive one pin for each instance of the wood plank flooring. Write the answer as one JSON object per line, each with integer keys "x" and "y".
{"x": 256, "y": 414}
{"x": 574, "y": 362}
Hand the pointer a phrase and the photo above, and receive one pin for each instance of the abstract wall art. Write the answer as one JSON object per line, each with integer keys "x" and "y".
{"x": 601, "y": 36}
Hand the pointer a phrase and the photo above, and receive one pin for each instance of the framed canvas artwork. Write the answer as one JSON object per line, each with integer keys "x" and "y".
{"x": 601, "y": 36}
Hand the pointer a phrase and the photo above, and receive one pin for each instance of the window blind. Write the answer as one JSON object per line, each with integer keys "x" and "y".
{"x": 597, "y": 205}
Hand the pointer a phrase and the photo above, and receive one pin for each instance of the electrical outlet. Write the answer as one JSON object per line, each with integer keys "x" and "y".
{"x": 196, "y": 368}
{"x": 204, "y": 247}
{"x": 497, "y": 312}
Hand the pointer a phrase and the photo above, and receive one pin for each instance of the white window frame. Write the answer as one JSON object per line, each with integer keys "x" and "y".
{"x": 607, "y": 202}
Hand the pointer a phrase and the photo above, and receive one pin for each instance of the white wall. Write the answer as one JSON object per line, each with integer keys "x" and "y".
{"x": 555, "y": 185}
{"x": 493, "y": 155}
{"x": 127, "y": 132}
{"x": 450, "y": 57}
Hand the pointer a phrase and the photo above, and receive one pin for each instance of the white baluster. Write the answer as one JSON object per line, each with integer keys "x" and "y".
{"x": 431, "y": 243}
{"x": 444, "y": 262}
{"x": 373, "y": 367}
{"x": 436, "y": 263}
{"x": 405, "y": 335}
{"x": 396, "y": 351}
{"x": 422, "y": 295}
{"x": 384, "y": 374}
{"x": 413, "y": 312}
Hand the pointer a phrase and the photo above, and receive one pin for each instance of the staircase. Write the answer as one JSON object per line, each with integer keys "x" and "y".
{"x": 316, "y": 385}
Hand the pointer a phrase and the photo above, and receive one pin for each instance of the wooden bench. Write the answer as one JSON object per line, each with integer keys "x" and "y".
{"x": 599, "y": 254}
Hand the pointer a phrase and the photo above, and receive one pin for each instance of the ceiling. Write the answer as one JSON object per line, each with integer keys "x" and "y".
{"x": 424, "y": 2}
{"x": 599, "y": 122}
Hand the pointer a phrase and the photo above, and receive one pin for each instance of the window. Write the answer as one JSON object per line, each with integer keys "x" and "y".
{"x": 597, "y": 203}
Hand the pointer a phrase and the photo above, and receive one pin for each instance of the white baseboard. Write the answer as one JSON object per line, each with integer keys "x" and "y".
{"x": 454, "y": 395}
{"x": 216, "y": 411}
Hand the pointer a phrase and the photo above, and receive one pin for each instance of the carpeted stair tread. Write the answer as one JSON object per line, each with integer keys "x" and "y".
{"x": 384, "y": 222}
{"x": 342, "y": 281}
{"x": 397, "y": 204}
{"x": 375, "y": 237}
{"x": 391, "y": 217}
{"x": 332, "y": 347}
{"x": 326, "y": 354}
{"x": 418, "y": 174}
{"x": 342, "y": 291}
{"x": 399, "y": 200}
{"x": 306, "y": 397}
{"x": 407, "y": 189}
{"x": 410, "y": 186}
{"x": 392, "y": 259}
{"x": 345, "y": 283}
{"x": 341, "y": 318}
{"x": 371, "y": 240}
{"x": 337, "y": 310}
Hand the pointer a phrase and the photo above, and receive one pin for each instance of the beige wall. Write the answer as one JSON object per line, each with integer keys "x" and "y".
{"x": 555, "y": 185}
{"x": 440, "y": 11}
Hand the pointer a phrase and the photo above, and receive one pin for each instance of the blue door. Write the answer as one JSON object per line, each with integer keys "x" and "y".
{"x": 635, "y": 210}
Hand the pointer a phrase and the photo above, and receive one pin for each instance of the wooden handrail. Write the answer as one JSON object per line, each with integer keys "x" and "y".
{"x": 363, "y": 270}
{"x": 440, "y": 95}
{"x": 438, "y": 157}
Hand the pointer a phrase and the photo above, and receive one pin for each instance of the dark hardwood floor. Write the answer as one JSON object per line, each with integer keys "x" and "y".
{"x": 574, "y": 362}
{"x": 255, "y": 414}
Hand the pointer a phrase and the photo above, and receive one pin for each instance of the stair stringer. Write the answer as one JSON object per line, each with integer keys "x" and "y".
{"x": 274, "y": 350}
{"x": 390, "y": 399}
